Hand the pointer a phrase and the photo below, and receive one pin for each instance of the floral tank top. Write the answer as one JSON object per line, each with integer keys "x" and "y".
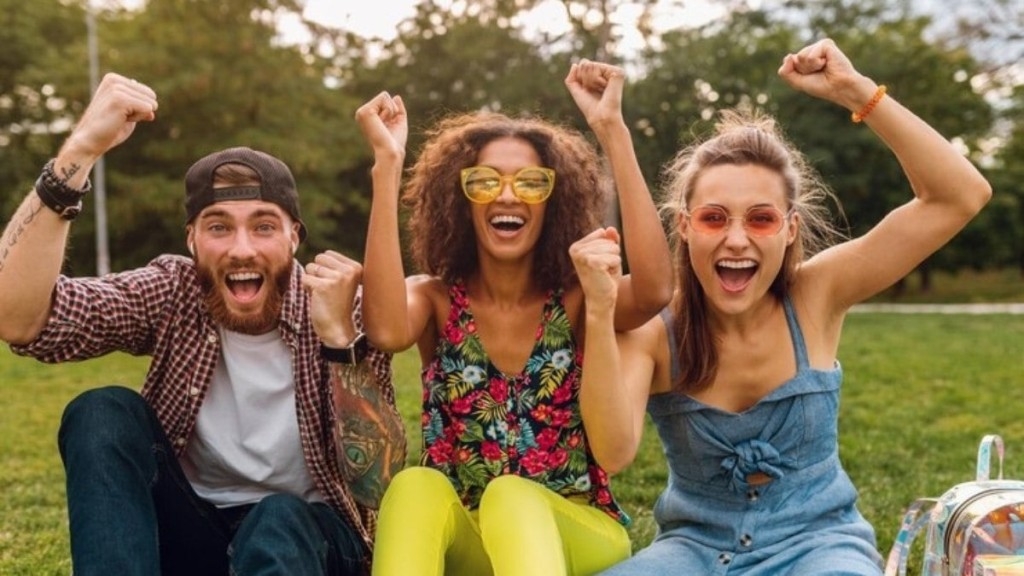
{"x": 479, "y": 423}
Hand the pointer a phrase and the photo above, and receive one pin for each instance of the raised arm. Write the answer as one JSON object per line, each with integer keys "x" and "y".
{"x": 386, "y": 307}
{"x": 612, "y": 406}
{"x": 597, "y": 90}
{"x": 32, "y": 247}
{"x": 368, "y": 430}
{"x": 948, "y": 189}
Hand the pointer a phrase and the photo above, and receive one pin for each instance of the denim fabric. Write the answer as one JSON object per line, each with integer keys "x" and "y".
{"x": 804, "y": 520}
{"x": 133, "y": 512}
{"x": 284, "y": 535}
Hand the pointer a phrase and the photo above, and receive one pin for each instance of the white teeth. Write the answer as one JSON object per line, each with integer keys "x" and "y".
{"x": 243, "y": 276}
{"x": 507, "y": 219}
{"x": 737, "y": 264}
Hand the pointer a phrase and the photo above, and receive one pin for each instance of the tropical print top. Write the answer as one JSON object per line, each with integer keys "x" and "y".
{"x": 479, "y": 423}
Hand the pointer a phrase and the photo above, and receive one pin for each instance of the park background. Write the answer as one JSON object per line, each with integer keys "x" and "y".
{"x": 920, "y": 389}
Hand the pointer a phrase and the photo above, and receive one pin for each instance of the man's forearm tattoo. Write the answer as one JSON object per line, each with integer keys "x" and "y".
{"x": 67, "y": 172}
{"x": 369, "y": 432}
{"x": 33, "y": 206}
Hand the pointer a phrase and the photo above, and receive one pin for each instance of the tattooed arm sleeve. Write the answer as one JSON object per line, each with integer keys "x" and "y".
{"x": 369, "y": 432}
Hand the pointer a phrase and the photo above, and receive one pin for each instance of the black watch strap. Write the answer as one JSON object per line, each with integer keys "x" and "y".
{"x": 57, "y": 195}
{"x": 351, "y": 355}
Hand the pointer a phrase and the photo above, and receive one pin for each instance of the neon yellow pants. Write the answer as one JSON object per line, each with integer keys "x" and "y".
{"x": 521, "y": 528}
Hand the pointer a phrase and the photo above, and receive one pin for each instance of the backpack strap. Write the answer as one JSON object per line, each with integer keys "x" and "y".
{"x": 985, "y": 456}
{"x": 915, "y": 518}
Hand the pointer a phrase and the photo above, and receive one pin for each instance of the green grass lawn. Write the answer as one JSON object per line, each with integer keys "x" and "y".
{"x": 920, "y": 391}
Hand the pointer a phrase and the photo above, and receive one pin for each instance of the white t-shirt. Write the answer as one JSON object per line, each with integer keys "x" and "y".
{"x": 246, "y": 443}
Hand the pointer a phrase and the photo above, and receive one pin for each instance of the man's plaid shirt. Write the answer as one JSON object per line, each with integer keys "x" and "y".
{"x": 158, "y": 310}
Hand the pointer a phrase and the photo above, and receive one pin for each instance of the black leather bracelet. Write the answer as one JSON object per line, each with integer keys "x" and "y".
{"x": 56, "y": 195}
{"x": 351, "y": 355}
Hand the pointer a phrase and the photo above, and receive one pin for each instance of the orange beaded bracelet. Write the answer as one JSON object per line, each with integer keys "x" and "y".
{"x": 861, "y": 114}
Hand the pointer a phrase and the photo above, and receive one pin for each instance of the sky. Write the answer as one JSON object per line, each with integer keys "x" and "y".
{"x": 379, "y": 18}
{"x": 376, "y": 19}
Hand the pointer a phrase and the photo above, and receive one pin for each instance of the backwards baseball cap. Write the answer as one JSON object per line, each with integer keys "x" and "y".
{"x": 276, "y": 183}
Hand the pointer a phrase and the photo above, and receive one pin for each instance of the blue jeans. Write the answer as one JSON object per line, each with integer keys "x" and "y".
{"x": 133, "y": 512}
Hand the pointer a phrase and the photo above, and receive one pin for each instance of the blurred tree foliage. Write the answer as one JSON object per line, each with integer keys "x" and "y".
{"x": 35, "y": 37}
{"x": 225, "y": 77}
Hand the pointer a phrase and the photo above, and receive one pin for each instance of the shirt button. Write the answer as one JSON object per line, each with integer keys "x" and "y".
{"x": 212, "y": 338}
{"x": 179, "y": 442}
{"x": 193, "y": 391}
{"x": 753, "y": 494}
{"x": 724, "y": 558}
{"x": 746, "y": 540}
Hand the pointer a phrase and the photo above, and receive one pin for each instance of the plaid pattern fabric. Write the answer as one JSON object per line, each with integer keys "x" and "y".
{"x": 158, "y": 310}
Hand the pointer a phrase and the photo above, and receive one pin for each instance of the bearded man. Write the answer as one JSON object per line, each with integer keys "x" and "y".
{"x": 266, "y": 429}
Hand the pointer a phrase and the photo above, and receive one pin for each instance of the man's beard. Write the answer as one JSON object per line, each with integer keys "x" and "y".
{"x": 260, "y": 323}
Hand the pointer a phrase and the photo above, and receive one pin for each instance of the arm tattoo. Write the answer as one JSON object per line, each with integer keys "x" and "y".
{"x": 14, "y": 234}
{"x": 369, "y": 432}
{"x": 69, "y": 171}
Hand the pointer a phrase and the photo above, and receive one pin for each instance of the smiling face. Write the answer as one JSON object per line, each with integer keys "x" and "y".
{"x": 508, "y": 228}
{"x": 243, "y": 252}
{"x": 735, "y": 268}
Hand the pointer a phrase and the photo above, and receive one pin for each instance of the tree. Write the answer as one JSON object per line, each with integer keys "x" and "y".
{"x": 223, "y": 78}
{"x": 727, "y": 63}
{"x": 36, "y": 38}
{"x": 934, "y": 80}
{"x": 994, "y": 29}
{"x": 1005, "y": 241}
{"x": 449, "y": 62}
{"x": 733, "y": 62}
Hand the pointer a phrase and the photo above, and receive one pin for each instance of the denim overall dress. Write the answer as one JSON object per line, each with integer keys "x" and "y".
{"x": 712, "y": 521}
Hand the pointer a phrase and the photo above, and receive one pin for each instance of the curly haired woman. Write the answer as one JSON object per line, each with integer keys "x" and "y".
{"x": 508, "y": 482}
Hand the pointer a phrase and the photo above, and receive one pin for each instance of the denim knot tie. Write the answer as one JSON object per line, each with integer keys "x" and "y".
{"x": 748, "y": 458}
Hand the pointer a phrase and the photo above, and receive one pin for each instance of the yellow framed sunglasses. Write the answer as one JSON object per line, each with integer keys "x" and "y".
{"x": 483, "y": 184}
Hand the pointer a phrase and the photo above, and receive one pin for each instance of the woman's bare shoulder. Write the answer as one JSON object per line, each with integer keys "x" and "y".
{"x": 647, "y": 339}
{"x": 645, "y": 350}
{"x": 427, "y": 285}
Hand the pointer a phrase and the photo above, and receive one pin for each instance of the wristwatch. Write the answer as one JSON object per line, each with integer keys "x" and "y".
{"x": 351, "y": 355}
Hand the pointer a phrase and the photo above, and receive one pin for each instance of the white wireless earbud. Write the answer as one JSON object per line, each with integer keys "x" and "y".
{"x": 192, "y": 248}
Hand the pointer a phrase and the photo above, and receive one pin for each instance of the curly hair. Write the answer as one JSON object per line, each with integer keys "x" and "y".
{"x": 740, "y": 138}
{"x": 442, "y": 241}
